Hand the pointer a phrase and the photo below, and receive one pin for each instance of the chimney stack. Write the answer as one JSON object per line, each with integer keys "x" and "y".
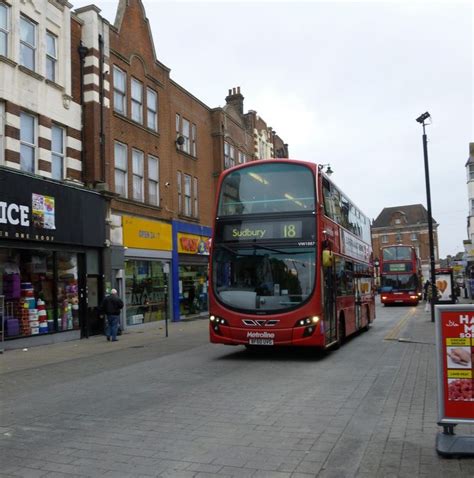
{"x": 236, "y": 99}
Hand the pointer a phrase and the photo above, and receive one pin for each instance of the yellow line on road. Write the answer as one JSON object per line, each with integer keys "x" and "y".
{"x": 395, "y": 332}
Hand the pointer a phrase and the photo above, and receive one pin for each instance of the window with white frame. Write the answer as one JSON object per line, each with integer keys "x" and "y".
{"x": 27, "y": 43}
{"x": 4, "y": 28}
{"x": 472, "y": 207}
{"x": 137, "y": 101}
{"x": 185, "y": 134}
{"x": 193, "y": 140}
{"x": 121, "y": 168}
{"x": 399, "y": 237}
{"x": 153, "y": 180}
{"x": 51, "y": 55}
{"x": 120, "y": 90}
{"x": 242, "y": 158}
{"x": 414, "y": 236}
{"x": 195, "y": 193}
{"x": 385, "y": 239}
{"x": 187, "y": 195}
{"x": 57, "y": 152}
{"x": 180, "y": 195}
{"x": 137, "y": 168}
{"x": 152, "y": 109}
{"x": 28, "y": 142}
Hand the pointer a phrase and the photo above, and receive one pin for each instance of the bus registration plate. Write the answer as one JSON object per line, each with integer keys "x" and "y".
{"x": 260, "y": 341}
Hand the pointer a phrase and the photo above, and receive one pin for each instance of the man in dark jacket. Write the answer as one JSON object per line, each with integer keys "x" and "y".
{"x": 111, "y": 307}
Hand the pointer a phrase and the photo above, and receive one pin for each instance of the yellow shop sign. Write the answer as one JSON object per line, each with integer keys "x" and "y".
{"x": 193, "y": 244}
{"x": 146, "y": 234}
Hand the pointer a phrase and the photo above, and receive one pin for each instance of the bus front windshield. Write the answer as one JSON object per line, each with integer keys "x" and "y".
{"x": 399, "y": 282}
{"x": 266, "y": 279}
{"x": 267, "y": 188}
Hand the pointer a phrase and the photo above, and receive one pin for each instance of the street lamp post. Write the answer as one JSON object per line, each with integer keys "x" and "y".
{"x": 421, "y": 119}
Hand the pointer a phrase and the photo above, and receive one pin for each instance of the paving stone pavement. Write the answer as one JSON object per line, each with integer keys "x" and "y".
{"x": 180, "y": 407}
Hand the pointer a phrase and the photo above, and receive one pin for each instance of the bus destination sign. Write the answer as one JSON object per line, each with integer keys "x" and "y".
{"x": 249, "y": 231}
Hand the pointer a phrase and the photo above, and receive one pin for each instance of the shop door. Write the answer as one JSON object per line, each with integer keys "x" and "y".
{"x": 94, "y": 320}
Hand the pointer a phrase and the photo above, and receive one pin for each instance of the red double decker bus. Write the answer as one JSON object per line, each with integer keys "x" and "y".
{"x": 400, "y": 275}
{"x": 291, "y": 258}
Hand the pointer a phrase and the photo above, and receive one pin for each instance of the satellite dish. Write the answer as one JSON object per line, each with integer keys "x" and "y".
{"x": 180, "y": 140}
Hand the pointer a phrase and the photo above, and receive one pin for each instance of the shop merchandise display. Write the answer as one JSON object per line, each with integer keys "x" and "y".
{"x": 31, "y": 293}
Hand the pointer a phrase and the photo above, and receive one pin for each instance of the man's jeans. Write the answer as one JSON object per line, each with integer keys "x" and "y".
{"x": 112, "y": 326}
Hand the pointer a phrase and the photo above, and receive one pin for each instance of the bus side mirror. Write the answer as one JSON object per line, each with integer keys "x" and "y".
{"x": 328, "y": 258}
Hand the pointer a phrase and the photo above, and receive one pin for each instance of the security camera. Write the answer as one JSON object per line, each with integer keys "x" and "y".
{"x": 167, "y": 184}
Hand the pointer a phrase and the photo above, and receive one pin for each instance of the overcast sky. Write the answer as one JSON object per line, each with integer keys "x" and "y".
{"x": 341, "y": 83}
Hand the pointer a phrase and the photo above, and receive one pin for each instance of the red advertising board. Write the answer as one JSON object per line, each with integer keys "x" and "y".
{"x": 455, "y": 356}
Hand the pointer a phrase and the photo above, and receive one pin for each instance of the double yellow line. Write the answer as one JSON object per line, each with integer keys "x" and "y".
{"x": 395, "y": 332}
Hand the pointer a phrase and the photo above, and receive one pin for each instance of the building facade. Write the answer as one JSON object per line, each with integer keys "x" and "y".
{"x": 48, "y": 257}
{"x": 406, "y": 225}
{"x": 111, "y": 169}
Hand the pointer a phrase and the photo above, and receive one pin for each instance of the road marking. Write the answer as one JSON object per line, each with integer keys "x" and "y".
{"x": 395, "y": 332}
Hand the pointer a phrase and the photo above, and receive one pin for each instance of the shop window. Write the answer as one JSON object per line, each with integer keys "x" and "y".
{"x": 51, "y": 56}
{"x": 145, "y": 288}
{"x": 192, "y": 289}
{"x": 27, "y": 43}
{"x": 41, "y": 291}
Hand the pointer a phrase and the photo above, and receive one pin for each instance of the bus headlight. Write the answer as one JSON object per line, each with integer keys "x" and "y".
{"x": 308, "y": 321}
{"x": 217, "y": 320}
{"x": 384, "y": 297}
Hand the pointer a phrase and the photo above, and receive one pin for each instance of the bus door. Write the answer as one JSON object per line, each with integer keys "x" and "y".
{"x": 329, "y": 295}
{"x": 358, "y": 302}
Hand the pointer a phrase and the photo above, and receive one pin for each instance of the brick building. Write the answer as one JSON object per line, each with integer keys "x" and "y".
{"x": 406, "y": 225}
{"x": 46, "y": 252}
{"x": 155, "y": 151}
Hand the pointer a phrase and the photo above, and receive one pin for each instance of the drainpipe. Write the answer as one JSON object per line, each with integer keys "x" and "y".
{"x": 83, "y": 51}
{"x": 101, "y": 102}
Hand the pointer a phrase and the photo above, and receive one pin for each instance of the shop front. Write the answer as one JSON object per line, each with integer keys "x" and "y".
{"x": 146, "y": 273}
{"x": 51, "y": 240}
{"x": 190, "y": 259}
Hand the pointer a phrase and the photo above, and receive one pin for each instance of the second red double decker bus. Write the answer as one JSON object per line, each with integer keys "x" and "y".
{"x": 291, "y": 258}
{"x": 400, "y": 275}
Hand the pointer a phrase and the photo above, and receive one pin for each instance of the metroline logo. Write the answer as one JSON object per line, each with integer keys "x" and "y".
{"x": 260, "y": 335}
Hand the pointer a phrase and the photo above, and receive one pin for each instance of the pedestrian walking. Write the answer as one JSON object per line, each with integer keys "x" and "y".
{"x": 111, "y": 307}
